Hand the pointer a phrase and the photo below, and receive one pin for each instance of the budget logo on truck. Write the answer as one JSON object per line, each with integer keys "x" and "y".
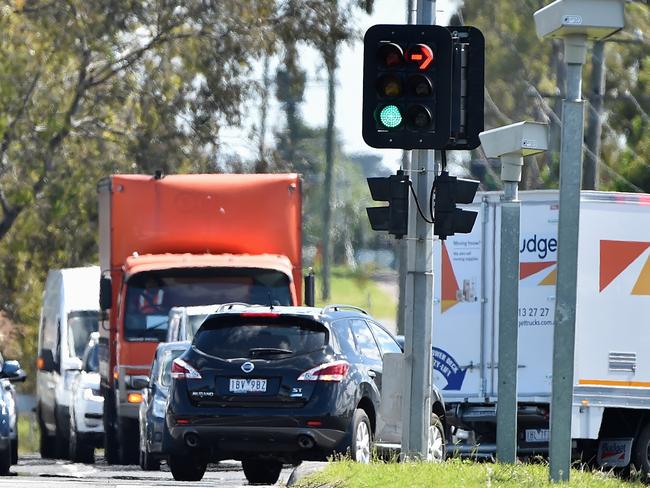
{"x": 533, "y": 252}
{"x": 618, "y": 256}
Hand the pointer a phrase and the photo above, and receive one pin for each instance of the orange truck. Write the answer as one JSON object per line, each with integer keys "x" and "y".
{"x": 184, "y": 240}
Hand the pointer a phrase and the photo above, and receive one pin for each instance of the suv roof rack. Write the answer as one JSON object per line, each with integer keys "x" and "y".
{"x": 337, "y": 307}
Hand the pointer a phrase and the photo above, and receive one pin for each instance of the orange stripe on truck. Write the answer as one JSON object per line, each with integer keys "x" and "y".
{"x": 643, "y": 384}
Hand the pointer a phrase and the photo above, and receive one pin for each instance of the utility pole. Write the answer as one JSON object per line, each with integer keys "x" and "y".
{"x": 590, "y": 179}
{"x": 416, "y": 403}
{"x": 574, "y": 21}
{"x": 406, "y": 247}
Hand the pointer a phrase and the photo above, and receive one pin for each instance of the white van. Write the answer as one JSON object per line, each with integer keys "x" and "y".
{"x": 70, "y": 313}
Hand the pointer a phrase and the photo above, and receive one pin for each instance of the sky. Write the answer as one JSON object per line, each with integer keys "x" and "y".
{"x": 349, "y": 90}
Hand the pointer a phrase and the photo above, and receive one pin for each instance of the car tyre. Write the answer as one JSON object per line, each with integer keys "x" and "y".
{"x": 14, "y": 451}
{"x": 641, "y": 450}
{"x": 187, "y": 468}
{"x": 261, "y": 471}
{"x": 47, "y": 446}
{"x": 81, "y": 450}
{"x": 148, "y": 462}
{"x": 437, "y": 446}
{"x": 5, "y": 462}
{"x": 361, "y": 442}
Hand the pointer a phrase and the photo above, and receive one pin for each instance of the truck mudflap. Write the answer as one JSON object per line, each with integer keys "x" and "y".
{"x": 615, "y": 453}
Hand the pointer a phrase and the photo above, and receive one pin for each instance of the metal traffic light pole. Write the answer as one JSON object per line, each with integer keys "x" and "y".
{"x": 416, "y": 403}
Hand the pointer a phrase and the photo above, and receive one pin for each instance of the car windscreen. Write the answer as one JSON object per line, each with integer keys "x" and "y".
{"x": 193, "y": 324}
{"x": 150, "y": 295}
{"x": 259, "y": 337}
{"x": 91, "y": 359}
{"x": 80, "y": 325}
{"x": 165, "y": 378}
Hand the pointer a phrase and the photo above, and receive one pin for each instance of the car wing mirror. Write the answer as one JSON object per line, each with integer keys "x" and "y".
{"x": 13, "y": 372}
{"x": 140, "y": 382}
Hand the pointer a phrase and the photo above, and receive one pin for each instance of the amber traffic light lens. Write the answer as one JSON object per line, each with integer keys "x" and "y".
{"x": 420, "y": 86}
{"x": 389, "y": 86}
{"x": 390, "y": 55}
{"x": 418, "y": 117}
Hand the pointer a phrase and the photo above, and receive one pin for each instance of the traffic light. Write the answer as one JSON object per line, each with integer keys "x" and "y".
{"x": 447, "y": 219}
{"x": 393, "y": 189}
{"x": 407, "y": 86}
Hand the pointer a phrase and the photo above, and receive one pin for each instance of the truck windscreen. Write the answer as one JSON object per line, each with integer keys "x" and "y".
{"x": 150, "y": 295}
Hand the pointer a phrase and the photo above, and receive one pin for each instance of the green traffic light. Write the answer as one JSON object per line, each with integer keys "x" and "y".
{"x": 390, "y": 116}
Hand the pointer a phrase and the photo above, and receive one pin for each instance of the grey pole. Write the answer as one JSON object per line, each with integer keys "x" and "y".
{"x": 416, "y": 403}
{"x": 508, "y": 310}
{"x": 575, "y": 49}
{"x": 406, "y": 247}
{"x": 590, "y": 178}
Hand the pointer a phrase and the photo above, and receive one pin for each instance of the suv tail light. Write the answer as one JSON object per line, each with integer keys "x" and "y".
{"x": 334, "y": 371}
{"x": 182, "y": 370}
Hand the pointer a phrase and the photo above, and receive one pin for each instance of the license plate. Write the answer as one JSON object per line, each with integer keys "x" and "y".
{"x": 238, "y": 385}
{"x": 536, "y": 435}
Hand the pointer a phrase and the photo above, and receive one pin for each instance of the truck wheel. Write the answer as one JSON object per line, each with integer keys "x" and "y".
{"x": 5, "y": 462}
{"x": 187, "y": 468}
{"x": 129, "y": 442}
{"x": 361, "y": 444}
{"x": 110, "y": 437}
{"x": 641, "y": 450}
{"x": 437, "y": 447}
{"x": 261, "y": 471}
{"x": 47, "y": 447}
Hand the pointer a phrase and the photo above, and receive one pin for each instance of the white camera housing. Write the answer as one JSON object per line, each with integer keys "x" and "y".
{"x": 512, "y": 142}
{"x": 593, "y": 19}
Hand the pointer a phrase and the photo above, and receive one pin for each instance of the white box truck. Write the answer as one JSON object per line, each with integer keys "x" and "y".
{"x": 611, "y": 396}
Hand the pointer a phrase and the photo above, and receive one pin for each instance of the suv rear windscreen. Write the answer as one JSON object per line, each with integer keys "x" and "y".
{"x": 259, "y": 337}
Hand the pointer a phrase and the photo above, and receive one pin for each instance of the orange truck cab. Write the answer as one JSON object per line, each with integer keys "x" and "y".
{"x": 184, "y": 240}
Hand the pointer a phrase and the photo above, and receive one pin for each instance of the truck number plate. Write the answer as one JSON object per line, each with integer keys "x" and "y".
{"x": 238, "y": 385}
{"x": 537, "y": 435}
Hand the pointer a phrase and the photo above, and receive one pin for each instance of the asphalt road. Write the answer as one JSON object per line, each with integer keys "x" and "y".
{"x": 32, "y": 471}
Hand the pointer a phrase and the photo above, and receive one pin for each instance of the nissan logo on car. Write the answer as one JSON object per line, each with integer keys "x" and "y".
{"x": 247, "y": 367}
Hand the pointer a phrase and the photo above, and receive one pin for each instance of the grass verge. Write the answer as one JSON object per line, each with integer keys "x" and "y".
{"x": 455, "y": 472}
{"x": 28, "y": 434}
{"x": 358, "y": 288}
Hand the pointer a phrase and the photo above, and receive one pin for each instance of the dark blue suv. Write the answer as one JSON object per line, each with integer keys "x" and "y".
{"x": 274, "y": 385}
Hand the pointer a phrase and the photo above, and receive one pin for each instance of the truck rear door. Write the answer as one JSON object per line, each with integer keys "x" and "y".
{"x": 460, "y": 335}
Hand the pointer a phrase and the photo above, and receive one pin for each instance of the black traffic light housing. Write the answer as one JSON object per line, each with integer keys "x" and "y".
{"x": 393, "y": 218}
{"x": 407, "y": 86}
{"x": 449, "y": 220}
{"x": 423, "y": 87}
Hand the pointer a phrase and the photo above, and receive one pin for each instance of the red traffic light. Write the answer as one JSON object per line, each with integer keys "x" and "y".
{"x": 390, "y": 55}
{"x": 420, "y": 54}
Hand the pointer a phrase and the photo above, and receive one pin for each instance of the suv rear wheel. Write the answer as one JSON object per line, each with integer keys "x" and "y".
{"x": 187, "y": 468}
{"x": 261, "y": 471}
{"x": 361, "y": 445}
